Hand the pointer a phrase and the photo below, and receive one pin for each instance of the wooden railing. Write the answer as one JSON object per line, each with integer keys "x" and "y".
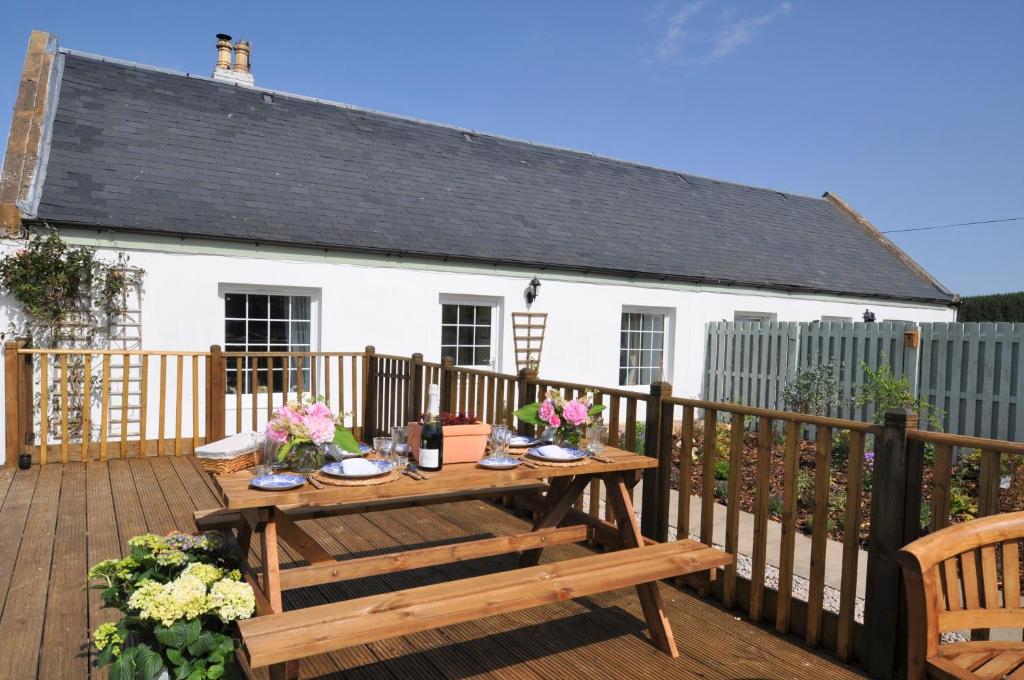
{"x": 88, "y": 405}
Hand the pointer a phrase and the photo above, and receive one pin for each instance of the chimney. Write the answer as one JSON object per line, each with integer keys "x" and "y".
{"x": 237, "y": 73}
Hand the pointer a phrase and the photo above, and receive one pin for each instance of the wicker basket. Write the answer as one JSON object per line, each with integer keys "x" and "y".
{"x": 222, "y": 466}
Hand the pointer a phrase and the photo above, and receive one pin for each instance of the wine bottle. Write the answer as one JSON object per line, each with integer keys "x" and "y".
{"x": 431, "y": 444}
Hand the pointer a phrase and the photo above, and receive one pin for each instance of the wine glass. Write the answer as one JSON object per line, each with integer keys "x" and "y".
{"x": 383, "y": 446}
{"x": 498, "y": 439}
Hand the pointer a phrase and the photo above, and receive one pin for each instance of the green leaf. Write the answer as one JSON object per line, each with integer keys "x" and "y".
{"x": 282, "y": 453}
{"x": 175, "y": 656}
{"x": 203, "y": 644}
{"x": 180, "y": 635}
{"x": 124, "y": 667}
{"x": 148, "y": 663}
{"x": 197, "y": 674}
{"x": 529, "y": 414}
{"x": 595, "y": 409}
{"x": 345, "y": 440}
{"x": 215, "y": 672}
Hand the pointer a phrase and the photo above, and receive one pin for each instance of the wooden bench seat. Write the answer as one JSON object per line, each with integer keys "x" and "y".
{"x": 292, "y": 635}
{"x": 961, "y": 578}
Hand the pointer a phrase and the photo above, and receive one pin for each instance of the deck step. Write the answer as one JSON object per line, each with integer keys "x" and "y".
{"x": 277, "y": 638}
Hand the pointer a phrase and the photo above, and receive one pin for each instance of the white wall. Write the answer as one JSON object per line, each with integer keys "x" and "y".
{"x": 395, "y": 306}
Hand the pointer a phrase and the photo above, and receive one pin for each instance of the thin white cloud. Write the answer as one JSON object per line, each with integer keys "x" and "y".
{"x": 732, "y": 36}
{"x": 675, "y": 31}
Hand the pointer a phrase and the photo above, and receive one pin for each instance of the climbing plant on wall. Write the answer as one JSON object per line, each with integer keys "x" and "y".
{"x": 65, "y": 292}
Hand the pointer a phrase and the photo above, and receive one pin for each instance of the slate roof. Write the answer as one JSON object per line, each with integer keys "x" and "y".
{"x": 150, "y": 151}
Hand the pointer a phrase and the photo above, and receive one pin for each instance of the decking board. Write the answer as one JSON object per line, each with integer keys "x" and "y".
{"x": 57, "y": 520}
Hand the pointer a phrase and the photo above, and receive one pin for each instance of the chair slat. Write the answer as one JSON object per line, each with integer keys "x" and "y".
{"x": 990, "y": 577}
{"x": 969, "y": 569}
{"x": 1011, "y": 574}
{"x": 952, "y": 587}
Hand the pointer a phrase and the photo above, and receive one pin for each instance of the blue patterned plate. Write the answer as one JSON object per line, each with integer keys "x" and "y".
{"x": 364, "y": 448}
{"x": 557, "y": 454}
{"x": 278, "y": 482}
{"x": 499, "y": 462}
{"x": 518, "y": 441}
{"x": 358, "y": 468}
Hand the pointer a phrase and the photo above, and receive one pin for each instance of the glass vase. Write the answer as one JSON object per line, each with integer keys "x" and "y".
{"x": 306, "y": 457}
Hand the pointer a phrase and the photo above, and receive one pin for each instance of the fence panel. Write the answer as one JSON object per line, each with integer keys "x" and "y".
{"x": 748, "y": 363}
{"x": 974, "y": 373}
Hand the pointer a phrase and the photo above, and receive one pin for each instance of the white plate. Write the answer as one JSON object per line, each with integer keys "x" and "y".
{"x": 557, "y": 454}
{"x": 521, "y": 442}
{"x": 500, "y": 462}
{"x": 358, "y": 468}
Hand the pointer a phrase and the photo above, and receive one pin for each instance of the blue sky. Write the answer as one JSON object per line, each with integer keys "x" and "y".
{"x": 912, "y": 111}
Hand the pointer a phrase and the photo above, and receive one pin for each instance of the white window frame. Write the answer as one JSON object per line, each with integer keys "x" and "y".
{"x": 668, "y": 341}
{"x": 760, "y": 317}
{"x": 495, "y": 303}
{"x": 313, "y": 294}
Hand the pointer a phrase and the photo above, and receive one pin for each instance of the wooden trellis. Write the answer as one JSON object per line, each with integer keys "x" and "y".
{"x": 528, "y": 331}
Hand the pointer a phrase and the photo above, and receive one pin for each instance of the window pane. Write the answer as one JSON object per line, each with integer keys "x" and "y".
{"x": 658, "y": 340}
{"x": 279, "y": 332}
{"x": 447, "y": 351}
{"x": 449, "y": 313}
{"x": 300, "y": 332}
{"x": 467, "y": 314}
{"x": 301, "y": 307}
{"x": 483, "y": 316}
{"x": 645, "y": 377}
{"x": 483, "y": 355}
{"x": 659, "y": 322}
{"x": 234, "y": 348}
{"x": 466, "y": 335}
{"x": 278, "y": 306}
{"x": 234, "y": 332}
{"x": 448, "y": 335}
{"x": 625, "y": 321}
{"x": 234, "y": 305}
{"x": 483, "y": 335}
{"x": 645, "y": 341}
{"x": 648, "y": 322}
{"x": 257, "y": 331}
{"x": 465, "y": 356}
{"x": 622, "y": 358}
{"x": 258, "y": 306}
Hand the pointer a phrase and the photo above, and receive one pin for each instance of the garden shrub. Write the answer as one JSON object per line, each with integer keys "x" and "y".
{"x": 814, "y": 390}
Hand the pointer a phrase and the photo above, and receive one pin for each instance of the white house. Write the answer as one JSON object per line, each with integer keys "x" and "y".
{"x": 267, "y": 220}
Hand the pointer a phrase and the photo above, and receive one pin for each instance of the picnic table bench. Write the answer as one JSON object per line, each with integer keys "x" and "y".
{"x": 278, "y": 639}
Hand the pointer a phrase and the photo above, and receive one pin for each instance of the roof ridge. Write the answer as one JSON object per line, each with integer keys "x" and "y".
{"x": 423, "y": 121}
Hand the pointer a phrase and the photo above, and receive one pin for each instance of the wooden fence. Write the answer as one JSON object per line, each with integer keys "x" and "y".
{"x": 973, "y": 374}
{"x": 384, "y": 390}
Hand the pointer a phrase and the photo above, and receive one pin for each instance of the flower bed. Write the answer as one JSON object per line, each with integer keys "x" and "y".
{"x": 180, "y": 596}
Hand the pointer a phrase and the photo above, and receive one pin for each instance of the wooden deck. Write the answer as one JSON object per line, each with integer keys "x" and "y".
{"x": 58, "y": 519}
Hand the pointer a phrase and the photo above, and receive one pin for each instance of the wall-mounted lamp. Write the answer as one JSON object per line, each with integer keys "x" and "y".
{"x": 869, "y": 316}
{"x": 532, "y": 291}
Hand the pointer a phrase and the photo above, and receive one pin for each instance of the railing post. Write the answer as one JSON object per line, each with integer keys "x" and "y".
{"x": 447, "y": 394}
{"x": 895, "y": 521}
{"x": 415, "y": 396}
{"x": 370, "y": 392}
{"x": 13, "y": 403}
{"x": 526, "y": 389}
{"x": 217, "y": 390}
{"x": 656, "y": 480}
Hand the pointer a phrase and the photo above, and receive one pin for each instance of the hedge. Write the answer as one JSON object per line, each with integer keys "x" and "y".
{"x": 997, "y": 307}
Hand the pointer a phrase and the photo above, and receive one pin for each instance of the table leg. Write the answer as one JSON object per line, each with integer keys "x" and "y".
{"x": 271, "y": 582}
{"x": 561, "y": 495}
{"x": 629, "y": 533}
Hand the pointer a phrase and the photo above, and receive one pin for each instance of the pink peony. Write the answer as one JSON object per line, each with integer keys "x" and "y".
{"x": 319, "y": 410}
{"x": 555, "y": 420}
{"x": 321, "y": 428}
{"x": 575, "y": 412}
{"x": 547, "y": 411}
{"x": 276, "y": 433}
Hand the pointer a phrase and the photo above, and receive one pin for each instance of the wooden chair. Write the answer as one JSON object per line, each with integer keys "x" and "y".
{"x": 962, "y": 578}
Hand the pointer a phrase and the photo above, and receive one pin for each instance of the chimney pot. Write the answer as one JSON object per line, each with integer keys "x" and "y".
{"x": 242, "y": 49}
{"x": 223, "y": 53}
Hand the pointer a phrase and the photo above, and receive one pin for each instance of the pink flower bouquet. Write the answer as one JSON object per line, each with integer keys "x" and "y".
{"x": 310, "y": 422}
{"x": 566, "y": 416}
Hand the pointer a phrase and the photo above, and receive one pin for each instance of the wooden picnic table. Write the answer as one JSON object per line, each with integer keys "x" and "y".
{"x": 277, "y": 638}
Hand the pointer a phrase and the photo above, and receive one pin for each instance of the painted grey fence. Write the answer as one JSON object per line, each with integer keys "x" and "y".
{"x": 972, "y": 372}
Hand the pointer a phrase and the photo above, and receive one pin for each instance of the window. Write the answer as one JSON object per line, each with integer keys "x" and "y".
{"x": 642, "y": 347}
{"x": 759, "y": 318}
{"x": 467, "y": 333}
{"x": 258, "y": 322}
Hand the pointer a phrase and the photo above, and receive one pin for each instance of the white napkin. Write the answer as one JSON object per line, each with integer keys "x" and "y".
{"x": 358, "y": 466}
{"x": 554, "y": 452}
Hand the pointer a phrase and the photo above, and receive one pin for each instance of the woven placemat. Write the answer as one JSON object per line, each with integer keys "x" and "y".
{"x": 575, "y": 463}
{"x": 369, "y": 481}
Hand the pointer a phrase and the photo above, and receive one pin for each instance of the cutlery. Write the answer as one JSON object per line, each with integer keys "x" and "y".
{"x": 528, "y": 463}
{"x": 315, "y": 483}
{"x": 410, "y": 475}
{"x": 600, "y": 459}
{"x": 411, "y": 467}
